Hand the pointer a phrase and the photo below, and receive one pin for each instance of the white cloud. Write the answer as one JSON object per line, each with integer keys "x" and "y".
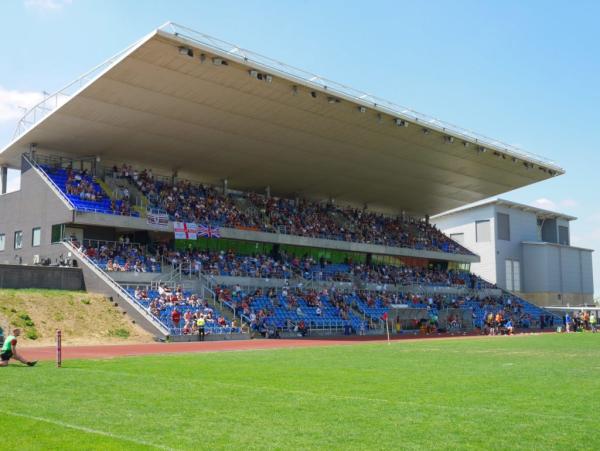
{"x": 12, "y": 103}
{"x": 545, "y": 203}
{"x": 47, "y": 5}
{"x": 569, "y": 203}
{"x": 549, "y": 204}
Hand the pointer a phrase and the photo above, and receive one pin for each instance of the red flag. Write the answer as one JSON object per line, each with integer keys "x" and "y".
{"x": 384, "y": 316}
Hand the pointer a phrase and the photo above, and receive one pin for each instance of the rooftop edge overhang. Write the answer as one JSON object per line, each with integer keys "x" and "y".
{"x": 541, "y": 213}
{"x": 302, "y": 133}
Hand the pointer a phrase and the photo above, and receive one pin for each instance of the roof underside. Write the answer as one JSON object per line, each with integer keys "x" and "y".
{"x": 160, "y": 109}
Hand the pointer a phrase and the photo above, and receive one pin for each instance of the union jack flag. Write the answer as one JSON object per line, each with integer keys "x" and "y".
{"x": 208, "y": 231}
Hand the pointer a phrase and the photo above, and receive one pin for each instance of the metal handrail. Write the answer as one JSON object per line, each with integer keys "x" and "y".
{"x": 36, "y": 167}
{"x": 50, "y": 103}
{"x": 122, "y": 292}
{"x": 236, "y": 52}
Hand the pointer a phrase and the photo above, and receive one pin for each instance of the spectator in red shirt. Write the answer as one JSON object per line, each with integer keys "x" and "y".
{"x": 175, "y": 318}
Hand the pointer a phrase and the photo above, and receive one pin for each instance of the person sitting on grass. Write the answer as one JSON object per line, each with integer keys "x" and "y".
{"x": 9, "y": 350}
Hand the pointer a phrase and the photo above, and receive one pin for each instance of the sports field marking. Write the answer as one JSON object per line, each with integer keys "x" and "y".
{"x": 332, "y": 396}
{"x": 86, "y": 429}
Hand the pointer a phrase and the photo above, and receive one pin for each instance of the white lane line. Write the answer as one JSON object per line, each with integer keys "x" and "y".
{"x": 86, "y": 429}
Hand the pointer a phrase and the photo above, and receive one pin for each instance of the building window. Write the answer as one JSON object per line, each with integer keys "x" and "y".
{"x": 503, "y": 226}
{"x": 513, "y": 275}
{"x": 482, "y": 231}
{"x": 458, "y": 237}
{"x": 2, "y": 241}
{"x": 18, "y": 239}
{"x": 57, "y": 233}
{"x": 563, "y": 235}
{"x": 36, "y": 236}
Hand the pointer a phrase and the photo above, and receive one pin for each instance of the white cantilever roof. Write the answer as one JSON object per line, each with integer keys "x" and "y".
{"x": 178, "y": 100}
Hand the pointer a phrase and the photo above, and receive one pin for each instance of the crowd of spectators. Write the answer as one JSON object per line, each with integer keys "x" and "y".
{"x": 120, "y": 256}
{"x": 126, "y": 256}
{"x": 82, "y": 185}
{"x": 85, "y": 192}
{"x": 184, "y": 312}
{"x": 580, "y": 321}
{"x": 293, "y": 310}
{"x": 287, "y": 307}
{"x": 185, "y": 201}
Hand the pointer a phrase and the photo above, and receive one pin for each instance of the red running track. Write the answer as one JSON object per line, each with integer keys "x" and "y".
{"x": 110, "y": 351}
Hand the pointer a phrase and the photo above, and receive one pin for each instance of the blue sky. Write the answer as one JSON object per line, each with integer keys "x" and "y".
{"x": 525, "y": 73}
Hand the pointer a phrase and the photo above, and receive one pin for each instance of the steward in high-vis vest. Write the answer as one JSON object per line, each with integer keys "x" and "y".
{"x": 201, "y": 323}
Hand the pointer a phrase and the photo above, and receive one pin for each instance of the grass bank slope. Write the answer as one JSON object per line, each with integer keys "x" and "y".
{"x": 84, "y": 318}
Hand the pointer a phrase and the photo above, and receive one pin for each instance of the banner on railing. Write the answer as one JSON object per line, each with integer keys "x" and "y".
{"x": 185, "y": 231}
{"x": 157, "y": 218}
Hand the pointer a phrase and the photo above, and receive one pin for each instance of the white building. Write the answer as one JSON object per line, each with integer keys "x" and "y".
{"x": 523, "y": 249}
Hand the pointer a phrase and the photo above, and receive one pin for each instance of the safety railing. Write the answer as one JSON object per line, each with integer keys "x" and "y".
{"x": 209, "y": 330}
{"x": 52, "y": 102}
{"x": 55, "y": 189}
{"x": 88, "y": 242}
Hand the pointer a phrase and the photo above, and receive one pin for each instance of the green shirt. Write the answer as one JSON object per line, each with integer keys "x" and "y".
{"x": 8, "y": 343}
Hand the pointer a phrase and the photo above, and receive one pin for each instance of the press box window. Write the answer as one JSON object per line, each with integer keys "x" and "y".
{"x": 18, "y": 239}
{"x": 36, "y": 236}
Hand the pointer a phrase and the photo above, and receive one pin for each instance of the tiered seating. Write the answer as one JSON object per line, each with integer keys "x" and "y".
{"x": 375, "y": 307}
{"x": 523, "y": 313}
{"x": 93, "y": 198}
{"x": 121, "y": 264}
{"x": 190, "y": 202}
{"x": 162, "y": 307}
{"x": 120, "y": 256}
{"x": 288, "y": 266}
{"x": 289, "y": 310}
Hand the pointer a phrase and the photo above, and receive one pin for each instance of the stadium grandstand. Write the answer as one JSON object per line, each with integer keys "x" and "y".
{"x": 188, "y": 177}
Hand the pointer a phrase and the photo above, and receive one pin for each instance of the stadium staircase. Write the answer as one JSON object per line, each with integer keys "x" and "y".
{"x": 139, "y": 201}
{"x": 98, "y": 281}
{"x": 39, "y": 170}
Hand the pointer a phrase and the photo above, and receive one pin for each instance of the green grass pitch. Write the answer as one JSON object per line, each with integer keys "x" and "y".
{"x": 524, "y": 392}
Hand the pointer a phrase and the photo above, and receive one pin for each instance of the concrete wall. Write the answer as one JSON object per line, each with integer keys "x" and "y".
{"x": 34, "y": 205}
{"x": 557, "y": 269}
{"x": 549, "y": 268}
{"x": 54, "y": 278}
{"x": 523, "y": 227}
{"x": 464, "y": 222}
{"x": 554, "y": 299}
